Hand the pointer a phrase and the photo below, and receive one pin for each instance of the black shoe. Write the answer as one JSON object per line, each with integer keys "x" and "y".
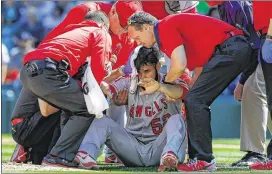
{"x": 249, "y": 159}
{"x": 50, "y": 160}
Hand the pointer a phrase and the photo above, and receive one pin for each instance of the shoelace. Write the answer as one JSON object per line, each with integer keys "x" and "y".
{"x": 267, "y": 160}
{"x": 246, "y": 156}
{"x": 192, "y": 161}
{"x": 19, "y": 158}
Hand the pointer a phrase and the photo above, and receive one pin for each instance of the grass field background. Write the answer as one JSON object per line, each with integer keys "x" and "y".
{"x": 226, "y": 151}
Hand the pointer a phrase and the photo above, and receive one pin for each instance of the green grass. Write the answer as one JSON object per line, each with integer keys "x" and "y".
{"x": 226, "y": 151}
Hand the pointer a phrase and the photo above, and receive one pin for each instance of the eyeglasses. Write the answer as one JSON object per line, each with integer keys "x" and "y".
{"x": 132, "y": 21}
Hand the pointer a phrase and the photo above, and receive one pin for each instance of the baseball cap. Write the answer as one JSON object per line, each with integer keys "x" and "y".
{"x": 125, "y": 9}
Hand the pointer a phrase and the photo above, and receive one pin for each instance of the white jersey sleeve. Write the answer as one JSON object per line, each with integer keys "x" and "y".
{"x": 123, "y": 83}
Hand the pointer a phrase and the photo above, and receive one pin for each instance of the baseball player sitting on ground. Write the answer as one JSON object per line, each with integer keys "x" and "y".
{"x": 155, "y": 132}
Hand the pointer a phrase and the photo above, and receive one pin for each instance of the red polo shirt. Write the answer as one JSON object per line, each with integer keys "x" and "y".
{"x": 199, "y": 35}
{"x": 78, "y": 42}
{"x": 156, "y": 8}
{"x": 262, "y": 13}
{"x": 122, "y": 47}
{"x": 77, "y": 15}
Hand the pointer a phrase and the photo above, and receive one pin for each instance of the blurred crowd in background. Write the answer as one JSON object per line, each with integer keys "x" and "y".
{"x": 26, "y": 23}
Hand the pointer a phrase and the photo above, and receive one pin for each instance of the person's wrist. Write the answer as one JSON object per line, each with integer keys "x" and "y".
{"x": 160, "y": 89}
{"x": 268, "y": 37}
{"x": 104, "y": 84}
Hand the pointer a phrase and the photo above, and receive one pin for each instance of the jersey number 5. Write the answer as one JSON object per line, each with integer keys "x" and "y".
{"x": 156, "y": 125}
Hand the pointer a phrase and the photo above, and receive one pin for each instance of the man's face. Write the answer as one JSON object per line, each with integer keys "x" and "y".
{"x": 147, "y": 71}
{"x": 115, "y": 26}
{"x": 143, "y": 37}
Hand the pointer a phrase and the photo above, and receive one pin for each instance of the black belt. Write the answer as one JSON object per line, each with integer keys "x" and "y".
{"x": 35, "y": 67}
{"x": 62, "y": 65}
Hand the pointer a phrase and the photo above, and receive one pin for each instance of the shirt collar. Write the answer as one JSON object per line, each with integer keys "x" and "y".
{"x": 156, "y": 32}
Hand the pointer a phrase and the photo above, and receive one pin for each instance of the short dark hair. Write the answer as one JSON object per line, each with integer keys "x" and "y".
{"x": 147, "y": 56}
{"x": 139, "y": 18}
{"x": 99, "y": 17}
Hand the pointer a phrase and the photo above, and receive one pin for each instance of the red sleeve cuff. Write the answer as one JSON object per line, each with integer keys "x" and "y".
{"x": 113, "y": 90}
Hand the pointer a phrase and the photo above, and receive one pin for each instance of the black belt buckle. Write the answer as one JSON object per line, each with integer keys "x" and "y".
{"x": 33, "y": 69}
{"x": 50, "y": 63}
{"x": 64, "y": 64}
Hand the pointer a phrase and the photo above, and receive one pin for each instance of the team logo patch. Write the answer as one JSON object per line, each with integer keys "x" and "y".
{"x": 85, "y": 88}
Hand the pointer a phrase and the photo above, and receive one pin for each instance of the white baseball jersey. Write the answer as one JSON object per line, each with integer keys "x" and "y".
{"x": 147, "y": 114}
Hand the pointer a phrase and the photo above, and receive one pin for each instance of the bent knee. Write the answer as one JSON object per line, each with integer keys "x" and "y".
{"x": 46, "y": 112}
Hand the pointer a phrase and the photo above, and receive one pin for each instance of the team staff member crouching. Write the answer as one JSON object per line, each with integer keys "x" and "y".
{"x": 155, "y": 132}
{"x": 48, "y": 72}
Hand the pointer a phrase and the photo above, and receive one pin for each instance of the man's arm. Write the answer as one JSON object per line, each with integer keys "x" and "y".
{"x": 151, "y": 86}
{"x": 115, "y": 74}
{"x": 267, "y": 46}
{"x": 114, "y": 88}
{"x": 173, "y": 91}
{"x": 100, "y": 52}
{"x": 121, "y": 71}
{"x": 178, "y": 64}
{"x": 176, "y": 90}
{"x": 270, "y": 28}
{"x": 183, "y": 83}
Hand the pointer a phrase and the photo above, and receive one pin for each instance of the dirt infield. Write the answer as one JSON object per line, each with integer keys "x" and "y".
{"x": 17, "y": 167}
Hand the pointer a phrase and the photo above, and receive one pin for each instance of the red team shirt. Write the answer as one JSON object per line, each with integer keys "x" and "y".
{"x": 93, "y": 41}
{"x": 77, "y": 14}
{"x": 127, "y": 46}
{"x": 262, "y": 13}
{"x": 199, "y": 35}
{"x": 156, "y": 8}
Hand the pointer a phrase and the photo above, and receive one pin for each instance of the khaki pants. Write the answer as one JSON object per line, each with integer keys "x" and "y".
{"x": 255, "y": 117}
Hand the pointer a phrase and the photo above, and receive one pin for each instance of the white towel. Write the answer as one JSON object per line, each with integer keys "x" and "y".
{"x": 134, "y": 78}
{"x": 93, "y": 95}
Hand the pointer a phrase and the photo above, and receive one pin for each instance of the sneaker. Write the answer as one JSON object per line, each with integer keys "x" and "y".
{"x": 85, "y": 161}
{"x": 112, "y": 159}
{"x": 50, "y": 160}
{"x": 195, "y": 165}
{"x": 169, "y": 161}
{"x": 249, "y": 159}
{"x": 266, "y": 165}
{"x": 20, "y": 154}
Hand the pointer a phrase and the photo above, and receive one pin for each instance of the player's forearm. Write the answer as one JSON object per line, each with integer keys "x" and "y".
{"x": 270, "y": 28}
{"x": 115, "y": 74}
{"x": 173, "y": 91}
{"x": 178, "y": 64}
{"x": 173, "y": 74}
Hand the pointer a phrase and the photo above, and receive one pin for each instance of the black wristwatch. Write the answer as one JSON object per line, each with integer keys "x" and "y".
{"x": 268, "y": 36}
{"x": 169, "y": 83}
